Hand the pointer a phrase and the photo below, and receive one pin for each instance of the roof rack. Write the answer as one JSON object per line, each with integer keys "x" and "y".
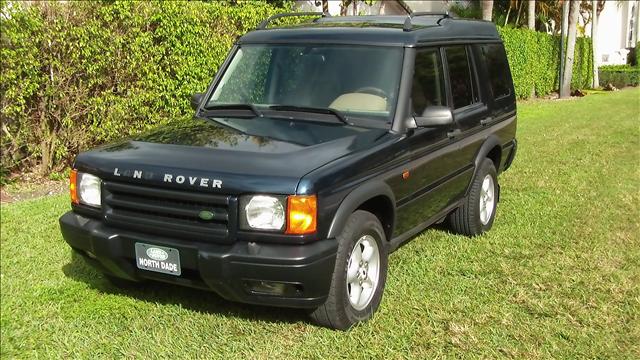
{"x": 408, "y": 26}
{"x": 263, "y": 25}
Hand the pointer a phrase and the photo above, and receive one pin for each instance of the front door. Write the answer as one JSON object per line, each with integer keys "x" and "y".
{"x": 432, "y": 153}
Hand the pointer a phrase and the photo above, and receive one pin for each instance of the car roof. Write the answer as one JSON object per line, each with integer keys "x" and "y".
{"x": 378, "y": 30}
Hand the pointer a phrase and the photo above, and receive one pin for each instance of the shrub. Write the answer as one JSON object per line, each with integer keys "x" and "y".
{"x": 534, "y": 58}
{"x": 76, "y": 74}
{"x": 619, "y": 75}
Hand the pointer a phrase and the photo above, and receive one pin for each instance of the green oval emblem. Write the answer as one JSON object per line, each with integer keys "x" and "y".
{"x": 206, "y": 215}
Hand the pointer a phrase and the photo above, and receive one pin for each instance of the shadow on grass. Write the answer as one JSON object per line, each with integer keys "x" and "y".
{"x": 193, "y": 299}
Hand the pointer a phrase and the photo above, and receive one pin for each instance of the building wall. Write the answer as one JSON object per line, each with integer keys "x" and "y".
{"x": 617, "y": 31}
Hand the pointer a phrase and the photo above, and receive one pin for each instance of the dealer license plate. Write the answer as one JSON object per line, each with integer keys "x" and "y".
{"x": 158, "y": 258}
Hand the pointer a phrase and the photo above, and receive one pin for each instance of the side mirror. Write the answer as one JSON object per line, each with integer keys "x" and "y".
{"x": 195, "y": 100}
{"x": 435, "y": 116}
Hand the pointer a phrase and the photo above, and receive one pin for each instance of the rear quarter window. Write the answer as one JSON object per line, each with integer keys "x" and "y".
{"x": 498, "y": 69}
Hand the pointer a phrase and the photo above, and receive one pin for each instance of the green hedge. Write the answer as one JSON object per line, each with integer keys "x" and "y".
{"x": 81, "y": 73}
{"x": 534, "y": 60}
{"x": 619, "y": 75}
{"x": 77, "y": 74}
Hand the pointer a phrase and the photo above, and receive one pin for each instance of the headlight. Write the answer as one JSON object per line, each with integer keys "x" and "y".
{"x": 293, "y": 214}
{"x": 262, "y": 212}
{"x": 85, "y": 189}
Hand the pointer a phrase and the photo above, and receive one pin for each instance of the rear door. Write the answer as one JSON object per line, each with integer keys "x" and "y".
{"x": 470, "y": 106}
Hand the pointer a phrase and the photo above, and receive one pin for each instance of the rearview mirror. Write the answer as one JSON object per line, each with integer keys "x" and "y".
{"x": 195, "y": 100}
{"x": 435, "y": 116}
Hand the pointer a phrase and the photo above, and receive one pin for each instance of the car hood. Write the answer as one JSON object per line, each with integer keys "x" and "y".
{"x": 244, "y": 155}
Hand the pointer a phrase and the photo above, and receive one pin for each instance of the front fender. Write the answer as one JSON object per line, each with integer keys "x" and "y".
{"x": 355, "y": 199}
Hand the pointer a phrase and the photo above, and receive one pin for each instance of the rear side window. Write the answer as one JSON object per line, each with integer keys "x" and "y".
{"x": 428, "y": 81}
{"x": 462, "y": 84}
{"x": 496, "y": 59}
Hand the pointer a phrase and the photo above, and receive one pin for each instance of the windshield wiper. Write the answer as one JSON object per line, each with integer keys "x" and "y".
{"x": 250, "y": 107}
{"x": 313, "y": 110}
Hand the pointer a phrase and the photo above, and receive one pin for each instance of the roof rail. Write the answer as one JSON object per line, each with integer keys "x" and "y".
{"x": 263, "y": 25}
{"x": 408, "y": 26}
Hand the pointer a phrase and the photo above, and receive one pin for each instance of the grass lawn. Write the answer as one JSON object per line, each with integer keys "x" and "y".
{"x": 557, "y": 276}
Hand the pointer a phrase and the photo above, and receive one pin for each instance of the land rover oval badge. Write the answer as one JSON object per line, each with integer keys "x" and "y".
{"x": 206, "y": 215}
{"x": 157, "y": 254}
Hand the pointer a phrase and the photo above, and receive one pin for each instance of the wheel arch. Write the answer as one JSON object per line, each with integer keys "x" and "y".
{"x": 491, "y": 149}
{"x": 375, "y": 197}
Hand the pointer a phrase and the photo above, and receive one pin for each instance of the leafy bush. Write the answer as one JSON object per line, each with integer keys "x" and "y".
{"x": 534, "y": 58}
{"x": 76, "y": 74}
{"x": 619, "y": 75}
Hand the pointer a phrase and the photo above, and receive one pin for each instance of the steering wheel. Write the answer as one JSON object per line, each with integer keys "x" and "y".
{"x": 372, "y": 91}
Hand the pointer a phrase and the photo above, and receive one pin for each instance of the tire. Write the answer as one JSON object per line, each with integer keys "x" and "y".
{"x": 339, "y": 311}
{"x": 471, "y": 219}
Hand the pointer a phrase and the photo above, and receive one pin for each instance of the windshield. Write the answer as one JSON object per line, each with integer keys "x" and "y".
{"x": 357, "y": 81}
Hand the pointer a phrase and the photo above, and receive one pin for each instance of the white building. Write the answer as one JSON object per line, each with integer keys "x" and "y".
{"x": 617, "y": 30}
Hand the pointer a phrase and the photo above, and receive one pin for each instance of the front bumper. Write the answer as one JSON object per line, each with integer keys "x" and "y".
{"x": 225, "y": 269}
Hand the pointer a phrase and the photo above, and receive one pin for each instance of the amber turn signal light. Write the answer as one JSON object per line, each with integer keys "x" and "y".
{"x": 302, "y": 213}
{"x": 73, "y": 186}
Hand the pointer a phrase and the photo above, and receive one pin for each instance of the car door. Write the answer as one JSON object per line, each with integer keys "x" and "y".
{"x": 470, "y": 110}
{"x": 469, "y": 104}
{"x": 432, "y": 154}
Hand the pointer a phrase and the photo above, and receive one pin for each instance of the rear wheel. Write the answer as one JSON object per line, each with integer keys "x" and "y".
{"x": 478, "y": 210}
{"x": 359, "y": 275}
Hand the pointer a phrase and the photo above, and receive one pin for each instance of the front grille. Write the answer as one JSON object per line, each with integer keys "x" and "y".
{"x": 169, "y": 212}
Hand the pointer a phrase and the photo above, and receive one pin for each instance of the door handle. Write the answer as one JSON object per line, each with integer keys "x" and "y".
{"x": 486, "y": 121}
{"x": 454, "y": 133}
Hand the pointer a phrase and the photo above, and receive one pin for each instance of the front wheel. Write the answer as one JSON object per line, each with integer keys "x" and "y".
{"x": 478, "y": 210}
{"x": 359, "y": 275}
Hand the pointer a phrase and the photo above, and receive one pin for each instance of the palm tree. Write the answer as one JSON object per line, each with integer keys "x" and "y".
{"x": 574, "y": 9}
{"x": 594, "y": 34}
{"x": 487, "y": 10}
{"x": 531, "y": 16}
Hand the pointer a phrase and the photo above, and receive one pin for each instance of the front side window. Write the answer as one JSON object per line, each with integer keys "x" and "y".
{"x": 462, "y": 85}
{"x": 428, "y": 81}
{"x": 358, "y": 81}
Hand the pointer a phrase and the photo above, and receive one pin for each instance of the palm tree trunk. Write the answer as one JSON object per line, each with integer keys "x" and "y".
{"x": 594, "y": 37}
{"x": 519, "y": 12}
{"x": 506, "y": 19}
{"x": 344, "y": 5}
{"x": 565, "y": 90}
{"x": 487, "y": 10}
{"x": 531, "y": 16}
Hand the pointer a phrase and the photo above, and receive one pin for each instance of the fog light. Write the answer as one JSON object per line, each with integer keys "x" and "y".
{"x": 273, "y": 288}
